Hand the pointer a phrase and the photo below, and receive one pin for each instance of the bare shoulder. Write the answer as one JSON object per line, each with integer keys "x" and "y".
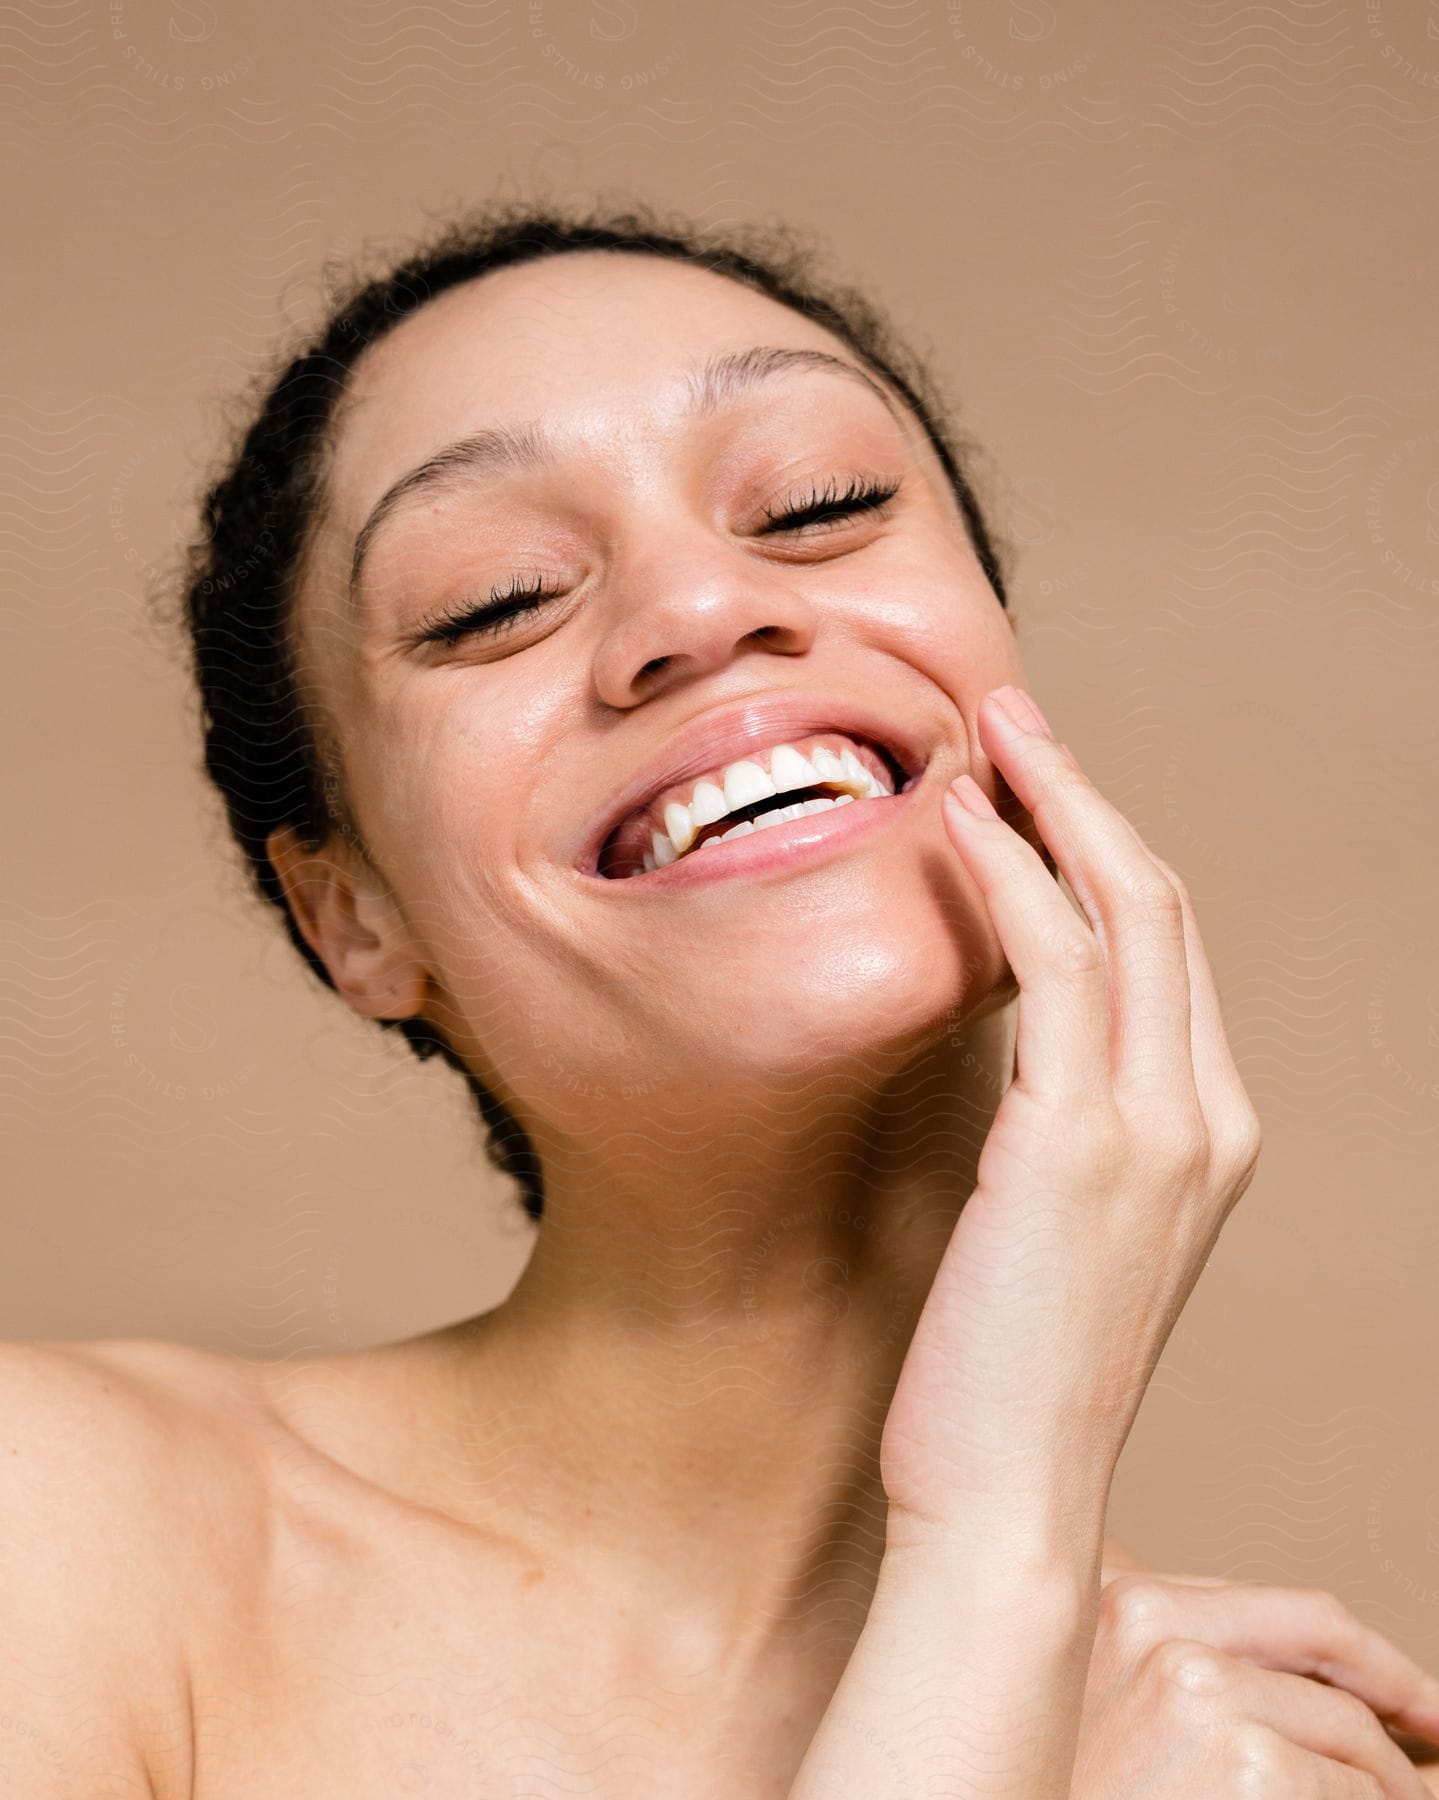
{"x": 97, "y": 1432}
{"x": 111, "y": 1453}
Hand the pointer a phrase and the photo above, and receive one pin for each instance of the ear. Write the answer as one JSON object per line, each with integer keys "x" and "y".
{"x": 350, "y": 920}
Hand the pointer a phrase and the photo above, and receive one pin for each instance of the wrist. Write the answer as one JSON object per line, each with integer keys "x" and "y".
{"x": 1041, "y": 1551}
{"x": 1040, "y": 1600}
{"x": 1034, "y": 1519}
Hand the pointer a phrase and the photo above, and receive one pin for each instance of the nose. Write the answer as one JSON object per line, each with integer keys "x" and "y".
{"x": 683, "y": 614}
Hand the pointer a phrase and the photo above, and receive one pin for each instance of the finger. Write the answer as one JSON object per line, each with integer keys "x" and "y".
{"x": 1116, "y": 1571}
{"x": 1062, "y": 1043}
{"x": 1126, "y": 896}
{"x": 1306, "y": 1631}
{"x": 1288, "y": 1772}
{"x": 1418, "y": 1750}
{"x": 1327, "y": 1721}
{"x": 1221, "y": 1090}
{"x": 1222, "y": 1096}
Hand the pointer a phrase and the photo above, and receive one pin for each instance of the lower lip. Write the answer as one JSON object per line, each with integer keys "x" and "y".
{"x": 778, "y": 848}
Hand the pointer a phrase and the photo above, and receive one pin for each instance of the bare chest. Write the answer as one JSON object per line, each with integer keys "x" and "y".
{"x": 418, "y": 1667}
{"x": 455, "y": 1742}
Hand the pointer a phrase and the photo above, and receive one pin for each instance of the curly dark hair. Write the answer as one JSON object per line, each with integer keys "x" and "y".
{"x": 272, "y": 766}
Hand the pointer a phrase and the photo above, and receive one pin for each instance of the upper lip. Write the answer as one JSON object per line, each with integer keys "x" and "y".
{"x": 730, "y": 732}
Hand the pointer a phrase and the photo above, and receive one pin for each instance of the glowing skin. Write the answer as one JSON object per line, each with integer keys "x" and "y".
{"x": 472, "y": 769}
{"x": 757, "y": 1114}
{"x": 621, "y": 1534}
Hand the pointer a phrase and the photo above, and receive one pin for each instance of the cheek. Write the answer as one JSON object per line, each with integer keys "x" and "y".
{"x": 969, "y": 642}
{"x": 429, "y": 756}
{"x": 448, "y": 765}
{"x": 932, "y": 608}
{"x": 434, "y": 797}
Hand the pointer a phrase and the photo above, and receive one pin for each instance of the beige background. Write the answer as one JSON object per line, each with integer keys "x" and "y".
{"x": 1178, "y": 263}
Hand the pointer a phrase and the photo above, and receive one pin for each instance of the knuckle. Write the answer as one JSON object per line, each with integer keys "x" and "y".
{"x": 1142, "y": 919}
{"x": 1334, "y": 1617}
{"x": 1074, "y": 954}
{"x": 1182, "y": 1663}
{"x": 1134, "y": 1608}
{"x": 1174, "y": 879}
{"x": 1252, "y": 1756}
{"x": 1150, "y": 892}
{"x": 1240, "y": 1143}
{"x": 1180, "y": 1141}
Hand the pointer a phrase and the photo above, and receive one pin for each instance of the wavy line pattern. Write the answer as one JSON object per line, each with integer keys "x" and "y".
{"x": 1175, "y": 273}
{"x": 1300, "y": 71}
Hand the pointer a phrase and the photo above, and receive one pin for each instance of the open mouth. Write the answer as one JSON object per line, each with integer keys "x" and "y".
{"x": 766, "y": 786}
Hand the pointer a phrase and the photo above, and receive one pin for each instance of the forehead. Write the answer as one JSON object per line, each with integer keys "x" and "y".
{"x": 589, "y": 332}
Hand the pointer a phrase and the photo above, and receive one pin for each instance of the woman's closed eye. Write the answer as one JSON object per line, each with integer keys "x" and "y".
{"x": 497, "y": 613}
{"x": 491, "y": 617}
{"x": 860, "y": 496}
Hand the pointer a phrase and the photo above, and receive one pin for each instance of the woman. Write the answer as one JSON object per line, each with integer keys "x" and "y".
{"x": 606, "y": 669}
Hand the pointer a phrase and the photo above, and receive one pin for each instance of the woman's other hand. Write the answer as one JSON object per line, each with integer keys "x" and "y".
{"x": 1111, "y": 1164}
{"x": 1224, "y": 1689}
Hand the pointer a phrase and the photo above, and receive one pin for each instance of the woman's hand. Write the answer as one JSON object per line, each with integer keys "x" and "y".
{"x": 1111, "y": 1164}
{"x": 1218, "y": 1688}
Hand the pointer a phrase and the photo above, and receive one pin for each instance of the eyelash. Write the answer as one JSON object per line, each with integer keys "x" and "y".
{"x": 861, "y": 495}
{"x": 497, "y": 614}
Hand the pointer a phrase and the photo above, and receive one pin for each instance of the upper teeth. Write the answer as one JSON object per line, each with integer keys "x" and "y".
{"x": 742, "y": 783}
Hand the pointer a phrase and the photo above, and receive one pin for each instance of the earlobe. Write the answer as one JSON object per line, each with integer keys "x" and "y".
{"x": 352, "y": 924}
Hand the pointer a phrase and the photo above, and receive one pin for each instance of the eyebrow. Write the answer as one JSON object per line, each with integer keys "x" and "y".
{"x": 499, "y": 449}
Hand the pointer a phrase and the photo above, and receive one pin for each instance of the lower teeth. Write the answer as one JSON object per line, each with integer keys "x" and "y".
{"x": 781, "y": 815}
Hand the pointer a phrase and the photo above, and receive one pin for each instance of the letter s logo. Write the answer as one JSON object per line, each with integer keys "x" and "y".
{"x": 192, "y": 1026}
{"x": 201, "y": 15}
{"x": 622, "y": 21}
{"x": 825, "y": 1280}
{"x": 1039, "y": 21}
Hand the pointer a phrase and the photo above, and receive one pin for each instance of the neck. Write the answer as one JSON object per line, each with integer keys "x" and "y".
{"x": 693, "y": 1371}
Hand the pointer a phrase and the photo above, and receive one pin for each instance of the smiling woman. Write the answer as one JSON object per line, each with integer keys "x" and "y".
{"x": 606, "y": 669}
{"x": 263, "y": 516}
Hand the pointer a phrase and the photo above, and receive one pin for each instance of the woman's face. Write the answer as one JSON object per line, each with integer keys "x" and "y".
{"x": 691, "y": 627}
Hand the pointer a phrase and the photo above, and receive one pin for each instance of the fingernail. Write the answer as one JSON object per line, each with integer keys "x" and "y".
{"x": 1017, "y": 707}
{"x": 972, "y": 797}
